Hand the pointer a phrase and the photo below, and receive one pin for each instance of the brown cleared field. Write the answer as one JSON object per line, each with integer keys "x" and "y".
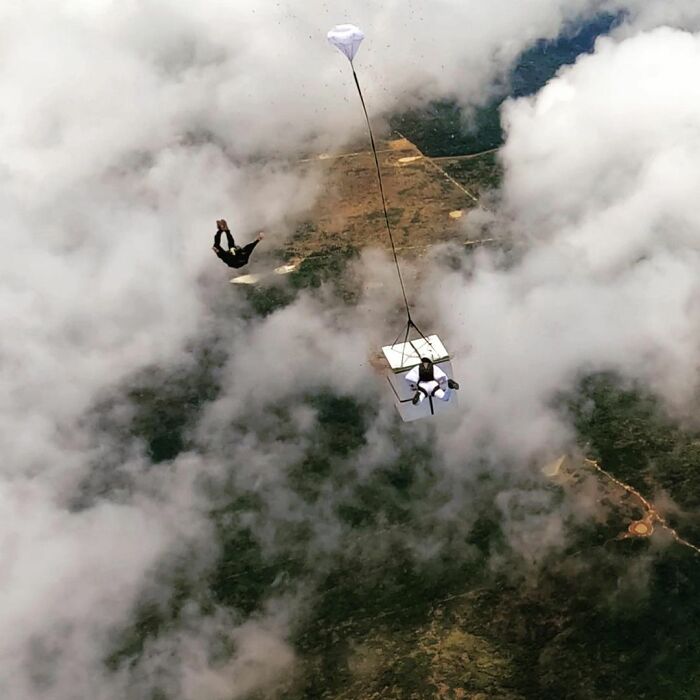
{"x": 420, "y": 195}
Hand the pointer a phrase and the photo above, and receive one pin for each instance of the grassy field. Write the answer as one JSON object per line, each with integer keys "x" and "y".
{"x": 607, "y": 618}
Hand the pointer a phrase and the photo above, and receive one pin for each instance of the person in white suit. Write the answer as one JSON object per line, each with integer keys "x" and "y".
{"x": 428, "y": 380}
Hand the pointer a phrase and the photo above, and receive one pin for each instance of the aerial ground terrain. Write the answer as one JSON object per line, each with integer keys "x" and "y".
{"x": 614, "y": 615}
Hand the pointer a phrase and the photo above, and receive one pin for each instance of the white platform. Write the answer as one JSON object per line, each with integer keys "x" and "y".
{"x": 404, "y": 356}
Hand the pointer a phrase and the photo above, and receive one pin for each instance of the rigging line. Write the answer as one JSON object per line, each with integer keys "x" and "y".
{"x": 410, "y": 324}
{"x": 381, "y": 191}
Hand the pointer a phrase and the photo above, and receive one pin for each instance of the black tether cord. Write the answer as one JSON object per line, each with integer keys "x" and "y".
{"x": 381, "y": 191}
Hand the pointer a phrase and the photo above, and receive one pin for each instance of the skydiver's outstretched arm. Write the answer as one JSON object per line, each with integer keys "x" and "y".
{"x": 248, "y": 249}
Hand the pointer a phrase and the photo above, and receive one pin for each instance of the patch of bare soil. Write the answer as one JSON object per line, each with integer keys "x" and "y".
{"x": 421, "y": 200}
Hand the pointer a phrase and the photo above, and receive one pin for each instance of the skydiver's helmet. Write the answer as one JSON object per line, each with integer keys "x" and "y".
{"x": 425, "y": 370}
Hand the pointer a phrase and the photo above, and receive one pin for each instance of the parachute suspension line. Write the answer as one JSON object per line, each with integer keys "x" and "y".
{"x": 410, "y": 324}
{"x": 386, "y": 215}
{"x": 347, "y": 39}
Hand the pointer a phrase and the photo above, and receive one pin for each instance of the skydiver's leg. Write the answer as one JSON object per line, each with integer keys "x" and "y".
{"x": 430, "y": 387}
{"x": 439, "y": 393}
{"x": 443, "y": 394}
{"x": 424, "y": 390}
{"x": 220, "y": 252}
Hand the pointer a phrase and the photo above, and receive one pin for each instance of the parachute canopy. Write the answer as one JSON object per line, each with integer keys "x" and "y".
{"x": 346, "y": 38}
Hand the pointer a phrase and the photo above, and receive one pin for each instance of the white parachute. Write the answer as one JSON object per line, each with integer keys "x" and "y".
{"x": 347, "y": 39}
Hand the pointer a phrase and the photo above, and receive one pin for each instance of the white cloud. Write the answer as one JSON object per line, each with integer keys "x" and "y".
{"x": 600, "y": 180}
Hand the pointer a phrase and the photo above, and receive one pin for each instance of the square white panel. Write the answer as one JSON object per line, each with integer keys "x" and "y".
{"x": 403, "y": 356}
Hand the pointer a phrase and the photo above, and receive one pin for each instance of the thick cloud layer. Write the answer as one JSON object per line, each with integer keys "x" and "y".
{"x": 601, "y": 180}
